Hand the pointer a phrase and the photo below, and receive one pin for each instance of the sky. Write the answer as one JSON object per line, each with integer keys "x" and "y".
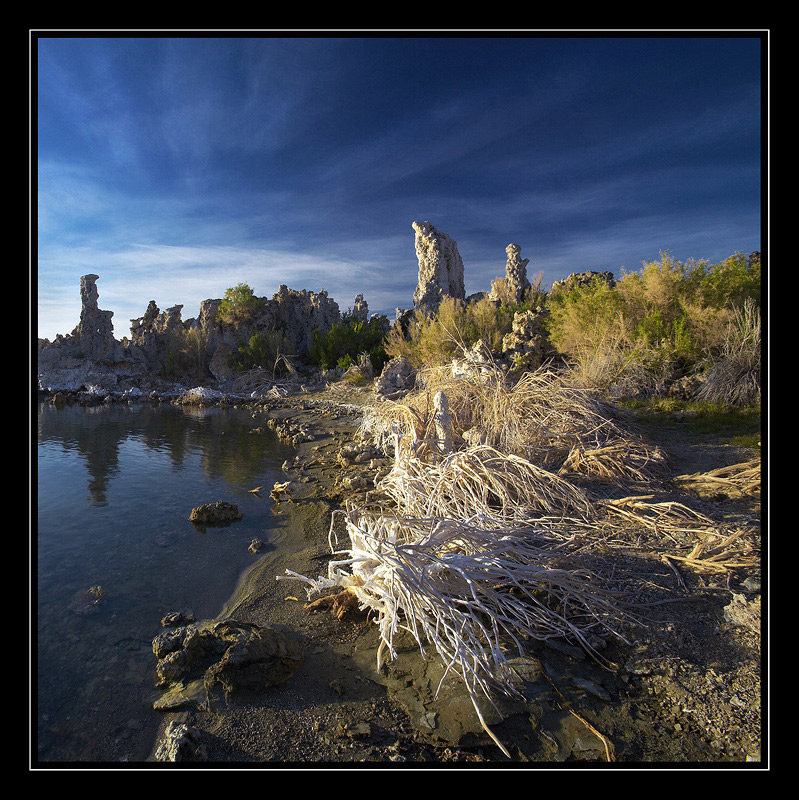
{"x": 176, "y": 166}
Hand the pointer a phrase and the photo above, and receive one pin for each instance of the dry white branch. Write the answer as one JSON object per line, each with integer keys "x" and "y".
{"x": 468, "y": 591}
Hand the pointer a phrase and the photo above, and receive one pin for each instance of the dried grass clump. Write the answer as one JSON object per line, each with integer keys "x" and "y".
{"x": 719, "y": 553}
{"x": 734, "y": 379}
{"x": 480, "y": 482}
{"x": 542, "y": 418}
{"x": 669, "y": 517}
{"x": 735, "y": 480}
{"x": 468, "y": 591}
{"x": 472, "y": 547}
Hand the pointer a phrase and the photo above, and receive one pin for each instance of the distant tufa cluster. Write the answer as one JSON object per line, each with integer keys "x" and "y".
{"x": 441, "y": 274}
{"x": 91, "y": 355}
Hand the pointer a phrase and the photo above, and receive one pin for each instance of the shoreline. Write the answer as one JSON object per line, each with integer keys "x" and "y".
{"x": 338, "y": 710}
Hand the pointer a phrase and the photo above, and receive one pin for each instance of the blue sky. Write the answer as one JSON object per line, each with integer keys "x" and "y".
{"x": 175, "y": 167}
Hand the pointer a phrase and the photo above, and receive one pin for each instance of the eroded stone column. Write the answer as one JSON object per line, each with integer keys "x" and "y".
{"x": 96, "y": 328}
{"x": 440, "y": 268}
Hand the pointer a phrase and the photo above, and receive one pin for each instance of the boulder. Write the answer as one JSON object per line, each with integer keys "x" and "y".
{"x": 229, "y": 654}
{"x": 577, "y": 279}
{"x": 180, "y": 742}
{"x": 527, "y": 346}
{"x": 477, "y": 363}
{"x": 398, "y": 376}
{"x": 214, "y": 513}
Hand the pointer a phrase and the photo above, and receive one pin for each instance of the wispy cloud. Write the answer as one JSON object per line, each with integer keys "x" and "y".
{"x": 183, "y": 275}
{"x": 175, "y": 167}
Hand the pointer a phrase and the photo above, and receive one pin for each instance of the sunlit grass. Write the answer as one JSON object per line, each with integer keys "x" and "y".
{"x": 740, "y": 426}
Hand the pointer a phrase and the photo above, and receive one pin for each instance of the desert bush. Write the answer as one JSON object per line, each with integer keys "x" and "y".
{"x": 585, "y": 317}
{"x": 430, "y": 338}
{"x": 265, "y": 349}
{"x": 653, "y": 325}
{"x": 345, "y": 341}
{"x": 238, "y": 305}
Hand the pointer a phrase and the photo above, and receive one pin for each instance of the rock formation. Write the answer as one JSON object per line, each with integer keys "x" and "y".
{"x": 515, "y": 284}
{"x": 299, "y": 312}
{"x": 527, "y": 346}
{"x": 85, "y": 356}
{"x": 360, "y": 309}
{"x": 153, "y": 324}
{"x": 583, "y": 279}
{"x": 95, "y": 331}
{"x": 440, "y": 268}
{"x": 91, "y": 356}
{"x": 295, "y": 313}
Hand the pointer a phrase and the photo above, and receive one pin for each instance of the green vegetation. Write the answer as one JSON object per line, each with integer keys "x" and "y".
{"x": 347, "y": 340}
{"x": 667, "y": 320}
{"x": 436, "y": 339}
{"x": 238, "y": 305}
{"x": 265, "y": 349}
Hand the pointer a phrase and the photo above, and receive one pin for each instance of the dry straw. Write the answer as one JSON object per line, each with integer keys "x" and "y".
{"x": 735, "y": 480}
{"x": 542, "y": 418}
{"x": 466, "y": 543}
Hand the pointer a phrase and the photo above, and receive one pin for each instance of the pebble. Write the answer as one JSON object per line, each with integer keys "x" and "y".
{"x": 591, "y": 688}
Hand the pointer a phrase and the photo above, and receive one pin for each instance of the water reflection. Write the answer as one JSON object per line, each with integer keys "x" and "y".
{"x": 222, "y": 438}
{"x": 115, "y": 488}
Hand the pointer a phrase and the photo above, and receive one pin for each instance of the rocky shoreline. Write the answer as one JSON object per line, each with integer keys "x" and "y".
{"x": 685, "y": 688}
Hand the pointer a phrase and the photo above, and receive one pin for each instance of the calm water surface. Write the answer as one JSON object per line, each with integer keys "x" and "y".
{"x": 116, "y": 485}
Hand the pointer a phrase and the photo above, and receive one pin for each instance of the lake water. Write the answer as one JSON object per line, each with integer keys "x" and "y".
{"x": 115, "y": 488}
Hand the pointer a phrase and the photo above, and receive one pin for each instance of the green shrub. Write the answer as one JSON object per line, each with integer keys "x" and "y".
{"x": 238, "y": 305}
{"x": 587, "y": 317}
{"x": 346, "y": 340}
{"x": 265, "y": 349}
{"x": 728, "y": 284}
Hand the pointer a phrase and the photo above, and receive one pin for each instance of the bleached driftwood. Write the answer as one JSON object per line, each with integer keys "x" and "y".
{"x": 467, "y": 591}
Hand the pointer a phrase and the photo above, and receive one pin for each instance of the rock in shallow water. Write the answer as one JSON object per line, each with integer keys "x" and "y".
{"x": 234, "y": 655}
{"x": 215, "y": 513}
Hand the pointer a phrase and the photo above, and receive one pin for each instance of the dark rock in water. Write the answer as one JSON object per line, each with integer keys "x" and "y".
{"x": 86, "y": 601}
{"x": 236, "y": 656}
{"x": 218, "y": 512}
{"x": 174, "y": 618}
